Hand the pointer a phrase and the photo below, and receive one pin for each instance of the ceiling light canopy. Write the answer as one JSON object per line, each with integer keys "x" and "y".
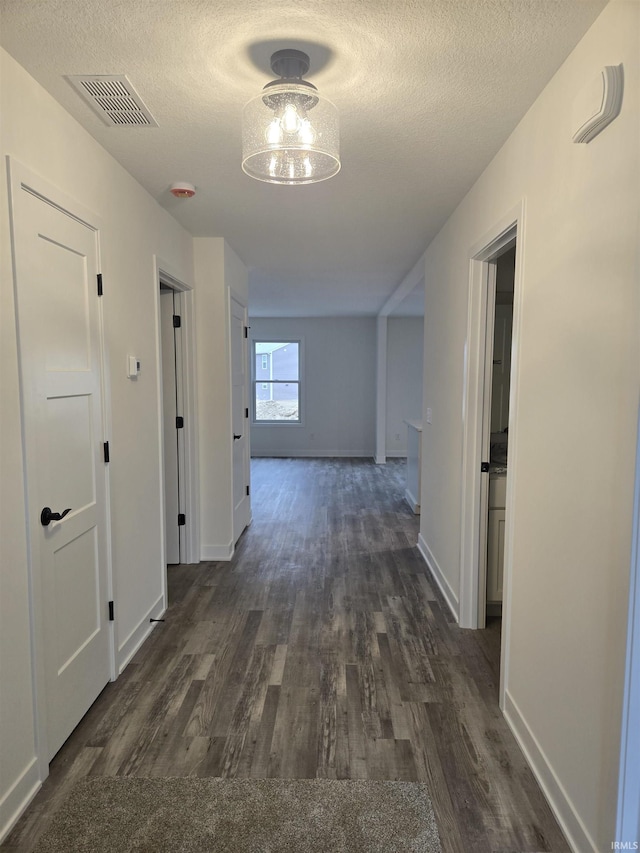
{"x": 289, "y": 132}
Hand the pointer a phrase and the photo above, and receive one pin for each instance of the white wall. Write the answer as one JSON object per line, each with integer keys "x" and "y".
{"x": 338, "y": 388}
{"x": 405, "y": 341}
{"x": 571, "y": 456}
{"x": 218, "y": 272}
{"x": 42, "y": 136}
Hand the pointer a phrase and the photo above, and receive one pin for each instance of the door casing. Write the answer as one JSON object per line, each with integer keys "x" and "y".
{"x": 477, "y": 372}
{"x": 186, "y": 368}
{"x": 628, "y": 811}
{"x": 173, "y": 439}
{"x": 240, "y": 423}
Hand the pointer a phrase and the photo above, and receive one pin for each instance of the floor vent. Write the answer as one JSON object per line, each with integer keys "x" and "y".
{"x": 114, "y": 99}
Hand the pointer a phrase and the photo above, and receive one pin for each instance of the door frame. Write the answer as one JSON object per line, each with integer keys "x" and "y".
{"x": 476, "y": 375}
{"x": 21, "y": 179}
{"x": 189, "y": 478}
{"x": 628, "y": 810}
{"x": 234, "y": 296}
{"x": 173, "y": 438}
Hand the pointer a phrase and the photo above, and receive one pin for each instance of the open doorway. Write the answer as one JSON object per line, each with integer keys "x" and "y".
{"x": 498, "y": 379}
{"x": 177, "y": 418}
{"x": 481, "y": 492}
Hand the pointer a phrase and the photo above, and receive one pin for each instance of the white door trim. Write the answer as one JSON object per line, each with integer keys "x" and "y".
{"x": 190, "y": 479}
{"x": 481, "y": 292}
{"x": 173, "y": 439}
{"x": 628, "y": 812}
{"x": 234, "y": 296}
{"x": 20, "y": 179}
{"x": 381, "y": 390}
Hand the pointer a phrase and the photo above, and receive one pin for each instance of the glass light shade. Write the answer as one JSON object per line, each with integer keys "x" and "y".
{"x": 290, "y": 135}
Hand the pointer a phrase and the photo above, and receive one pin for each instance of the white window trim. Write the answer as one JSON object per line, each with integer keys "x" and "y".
{"x": 300, "y": 381}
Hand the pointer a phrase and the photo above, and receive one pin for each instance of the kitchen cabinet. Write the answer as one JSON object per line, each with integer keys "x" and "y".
{"x": 495, "y": 538}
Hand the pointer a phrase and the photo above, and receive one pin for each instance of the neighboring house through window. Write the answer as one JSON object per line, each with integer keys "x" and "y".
{"x": 276, "y": 382}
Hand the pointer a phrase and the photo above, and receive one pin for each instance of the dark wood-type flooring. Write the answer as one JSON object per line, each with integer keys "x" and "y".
{"x": 321, "y": 650}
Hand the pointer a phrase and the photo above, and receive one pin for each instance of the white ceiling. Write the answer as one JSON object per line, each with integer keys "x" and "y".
{"x": 427, "y": 90}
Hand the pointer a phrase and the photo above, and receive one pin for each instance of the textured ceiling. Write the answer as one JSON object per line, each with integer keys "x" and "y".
{"x": 427, "y": 90}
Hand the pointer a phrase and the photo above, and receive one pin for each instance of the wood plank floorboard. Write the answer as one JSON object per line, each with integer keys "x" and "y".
{"x": 321, "y": 650}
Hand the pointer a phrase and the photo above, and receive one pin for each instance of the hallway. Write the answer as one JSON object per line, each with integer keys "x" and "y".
{"x": 321, "y": 650}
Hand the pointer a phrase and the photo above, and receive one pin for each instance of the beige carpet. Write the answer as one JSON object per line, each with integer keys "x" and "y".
{"x": 118, "y": 815}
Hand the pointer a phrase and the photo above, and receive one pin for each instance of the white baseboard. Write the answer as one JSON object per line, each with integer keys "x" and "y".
{"x": 136, "y": 638}
{"x": 18, "y": 797}
{"x": 438, "y": 575}
{"x": 412, "y": 501}
{"x": 569, "y": 820}
{"x": 313, "y": 454}
{"x": 396, "y": 454}
{"x": 214, "y": 553}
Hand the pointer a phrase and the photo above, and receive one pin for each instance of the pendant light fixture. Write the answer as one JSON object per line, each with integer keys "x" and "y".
{"x": 289, "y": 132}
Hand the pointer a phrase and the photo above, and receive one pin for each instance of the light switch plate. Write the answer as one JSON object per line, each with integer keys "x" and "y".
{"x": 133, "y": 367}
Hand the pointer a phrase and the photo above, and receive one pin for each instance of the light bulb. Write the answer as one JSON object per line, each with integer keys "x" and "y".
{"x": 290, "y": 119}
{"x": 306, "y": 133}
{"x": 274, "y": 132}
{"x": 308, "y": 168}
{"x": 292, "y": 169}
{"x": 272, "y": 166}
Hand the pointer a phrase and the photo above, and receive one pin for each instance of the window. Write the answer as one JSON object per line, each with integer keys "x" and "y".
{"x": 276, "y": 382}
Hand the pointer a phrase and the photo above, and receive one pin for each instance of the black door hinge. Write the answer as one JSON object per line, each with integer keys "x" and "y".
{"x": 177, "y": 321}
{"x": 179, "y": 422}
{"x": 247, "y": 489}
{"x": 106, "y": 451}
{"x": 99, "y": 277}
{"x": 246, "y": 331}
{"x": 246, "y": 413}
{"x": 182, "y": 519}
{"x": 111, "y": 612}
{"x": 484, "y": 467}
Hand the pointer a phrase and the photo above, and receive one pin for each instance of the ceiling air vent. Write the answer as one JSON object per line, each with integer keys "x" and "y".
{"x": 114, "y": 99}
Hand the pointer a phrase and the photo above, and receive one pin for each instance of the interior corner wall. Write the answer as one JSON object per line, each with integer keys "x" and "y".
{"x": 39, "y": 134}
{"x": 405, "y": 342}
{"x": 236, "y": 275}
{"x": 338, "y": 387}
{"x": 572, "y": 444}
{"x": 217, "y": 269}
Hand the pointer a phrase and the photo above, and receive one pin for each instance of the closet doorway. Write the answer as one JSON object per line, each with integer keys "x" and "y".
{"x": 490, "y": 408}
{"x": 496, "y": 421}
{"x": 177, "y": 418}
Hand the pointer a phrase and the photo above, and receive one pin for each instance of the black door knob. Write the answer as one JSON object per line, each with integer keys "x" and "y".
{"x": 236, "y": 437}
{"x": 47, "y": 516}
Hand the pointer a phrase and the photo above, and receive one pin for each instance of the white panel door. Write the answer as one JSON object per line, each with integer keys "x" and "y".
{"x": 239, "y": 396}
{"x": 61, "y": 353}
{"x": 170, "y": 433}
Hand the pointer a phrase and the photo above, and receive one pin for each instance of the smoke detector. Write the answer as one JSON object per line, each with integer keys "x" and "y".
{"x": 181, "y": 189}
